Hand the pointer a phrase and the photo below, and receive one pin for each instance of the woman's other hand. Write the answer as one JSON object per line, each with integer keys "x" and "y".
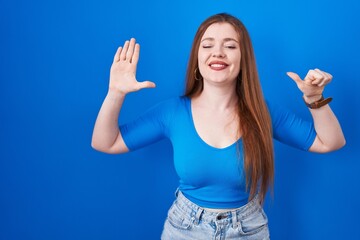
{"x": 312, "y": 86}
{"x": 123, "y": 70}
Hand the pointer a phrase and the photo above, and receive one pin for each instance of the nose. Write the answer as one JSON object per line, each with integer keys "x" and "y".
{"x": 218, "y": 52}
{"x": 219, "y": 55}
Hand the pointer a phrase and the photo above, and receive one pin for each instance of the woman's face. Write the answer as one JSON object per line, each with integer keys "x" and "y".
{"x": 219, "y": 54}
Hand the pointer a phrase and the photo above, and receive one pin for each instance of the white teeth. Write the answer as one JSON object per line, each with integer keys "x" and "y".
{"x": 217, "y": 65}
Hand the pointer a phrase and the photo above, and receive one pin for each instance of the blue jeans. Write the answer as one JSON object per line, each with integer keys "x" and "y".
{"x": 188, "y": 221}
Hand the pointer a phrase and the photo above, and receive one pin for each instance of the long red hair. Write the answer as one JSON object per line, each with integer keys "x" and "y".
{"x": 255, "y": 123}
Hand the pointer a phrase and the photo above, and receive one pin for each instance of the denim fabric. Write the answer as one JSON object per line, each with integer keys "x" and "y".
{"x": 188, "y": 221}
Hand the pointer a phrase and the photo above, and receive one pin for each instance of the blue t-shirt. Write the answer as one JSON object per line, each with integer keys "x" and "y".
{"x": 209, "y": 176}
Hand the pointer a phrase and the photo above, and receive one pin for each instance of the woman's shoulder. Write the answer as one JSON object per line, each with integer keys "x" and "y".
{"x": 169, "y": 106}
{"x": 275, "y": 108}
{"x": 279, "y": 113}
{"x": 173, "y": 102}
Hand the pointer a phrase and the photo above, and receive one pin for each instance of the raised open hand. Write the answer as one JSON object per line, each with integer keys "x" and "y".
{"x": 313, "y": 84}
{"x": 123, "y": 70}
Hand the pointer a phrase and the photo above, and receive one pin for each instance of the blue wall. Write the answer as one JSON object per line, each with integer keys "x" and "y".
{"x": 54, "y": 67}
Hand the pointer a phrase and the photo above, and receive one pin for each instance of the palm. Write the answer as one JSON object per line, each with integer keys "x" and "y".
{"x": 122, "y": 77}
{"x": 123, "y": 69}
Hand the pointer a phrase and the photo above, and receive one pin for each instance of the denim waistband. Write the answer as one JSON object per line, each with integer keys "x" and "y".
{"x": 198, "y": 213}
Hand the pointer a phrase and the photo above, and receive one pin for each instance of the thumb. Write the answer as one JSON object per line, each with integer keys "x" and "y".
{"x": 294, "y": 77}
{"x": 146, "y": 84}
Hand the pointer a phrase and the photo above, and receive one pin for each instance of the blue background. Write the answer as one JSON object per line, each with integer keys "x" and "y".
{"x": 55, "y": 58}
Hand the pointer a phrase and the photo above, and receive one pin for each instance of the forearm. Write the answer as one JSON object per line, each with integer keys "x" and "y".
{"x": 329, "y": 133}
{"x": 106, "y": 130}
{"x": 106, "y": 135}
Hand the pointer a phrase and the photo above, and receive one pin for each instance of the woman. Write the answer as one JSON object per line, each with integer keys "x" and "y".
{"x": 221, "y": 131}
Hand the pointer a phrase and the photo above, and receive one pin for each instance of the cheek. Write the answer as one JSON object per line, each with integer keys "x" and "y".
{"x": 202, "y": 61}
{"x": 202, "y": 57}
{"x": 202, "y": 68}
{"x": 237, "y": 64}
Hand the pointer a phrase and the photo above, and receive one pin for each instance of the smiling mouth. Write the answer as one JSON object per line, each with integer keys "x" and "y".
{"x": 218, "y": 66}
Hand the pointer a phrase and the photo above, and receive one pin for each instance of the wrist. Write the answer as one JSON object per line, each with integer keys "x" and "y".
{"x": 115, "y": 94}
{"x": 312, "y": 99}
{"x": 310, "y": 103}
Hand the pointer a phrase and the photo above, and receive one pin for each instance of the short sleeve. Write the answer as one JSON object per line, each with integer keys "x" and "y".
{"x": 290, "y": 129}
{"x": 149, "y": 128}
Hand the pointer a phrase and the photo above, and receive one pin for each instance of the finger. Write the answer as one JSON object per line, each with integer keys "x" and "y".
{"x": 321, "y": 77}
{"x": 124, "y": 50}
{"x": 294, "y": 77}
{"x": 318, "y": 70}
{"x": 322, "y": 73}
{"x": 135, "y": 56}
{"x": 130, "y": 51}
{"x": 314, "y": 77}
{"x": 329, "y": 77}
{"x": 309, "y": 76}
{"x": 322, "y": 83}
{"x": 326, "y": 81}
{"x": 117, "y": 54}
{"x": 326, "y": 78}
{"x": 146, "y": 84}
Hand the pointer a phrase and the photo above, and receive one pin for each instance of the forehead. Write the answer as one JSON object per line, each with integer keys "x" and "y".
{"x": 220, "y": 31}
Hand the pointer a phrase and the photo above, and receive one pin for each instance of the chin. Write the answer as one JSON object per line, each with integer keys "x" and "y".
{"x": 219, "y": 80}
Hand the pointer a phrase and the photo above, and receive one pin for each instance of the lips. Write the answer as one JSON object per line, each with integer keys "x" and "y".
{"x": 218, "y": 65}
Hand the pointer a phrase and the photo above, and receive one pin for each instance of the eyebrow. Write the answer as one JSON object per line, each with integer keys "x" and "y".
{"x": 225, "y": 39}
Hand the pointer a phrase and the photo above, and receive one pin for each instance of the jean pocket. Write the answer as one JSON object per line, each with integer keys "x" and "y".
{"x": 254, "y": 224}
{"x": 178, "y": 219}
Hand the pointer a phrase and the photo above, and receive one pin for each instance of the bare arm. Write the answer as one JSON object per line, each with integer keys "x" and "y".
{"x": 329, "y": 134}
{"x": 106, "y": 134}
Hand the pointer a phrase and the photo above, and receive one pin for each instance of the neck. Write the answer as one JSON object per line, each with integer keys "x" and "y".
{"x": 218, "y": 98}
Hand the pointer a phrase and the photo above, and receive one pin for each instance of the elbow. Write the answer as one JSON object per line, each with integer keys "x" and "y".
{"x": 326, "y": 147}
{"x": 95, "y": 146}
{"x": 116, "y": 146}
{"x": 336, "y": 146}
{"x": 342, "y": 143}
{"x": 107, "y": 149}
{"x": 98, "y": 147}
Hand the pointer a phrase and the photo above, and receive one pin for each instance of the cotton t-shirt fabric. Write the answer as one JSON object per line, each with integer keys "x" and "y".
{"x": 210, "y": 177}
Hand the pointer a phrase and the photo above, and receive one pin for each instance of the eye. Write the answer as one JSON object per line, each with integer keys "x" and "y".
{"x": 207, "y": 46}
{"x": 230, "y": 46}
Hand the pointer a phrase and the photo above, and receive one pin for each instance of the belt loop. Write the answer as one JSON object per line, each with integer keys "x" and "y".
{"x": 198, "y": 215}
{"x": 234, "y": 220}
